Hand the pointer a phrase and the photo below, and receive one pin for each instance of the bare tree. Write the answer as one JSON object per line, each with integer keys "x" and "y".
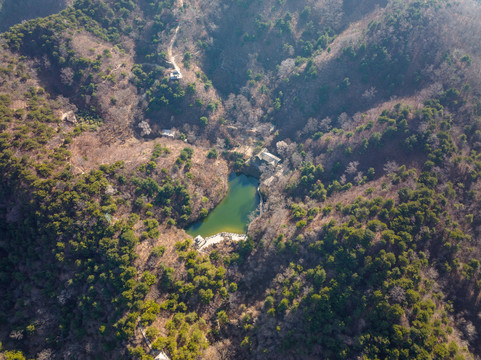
{"x": 431, "y": 91}
{"x": 397, "y": 294}
{"x": 16, "y": 334}
{"x": 358, "y": 178}
{"x": 240, "y": 108}
{"x": 352, "y": 167}
{"x": 357, "y": 118}
{"x": 325, "y": 124}
{"x": 344, "y": 121}
{"x": 311, "y": 126}
{"x": 469, "y": 331}
{"x": 145, "y": 128}
{"x": 286, "y": 68}
{"x": 282, "y": 148}
{"x": 264, "y": 130}
{"x": 66, "y": 76}
{"x": 296, "y": 159}
{"x": 423, "y": 127}
{"x": 309, "y": 156}
{"x": 332, "y": 12}
{"x": 44, "y": 354}
{"x": 390, "y": 167}
{"x": 220, "y": 143}
{"x": 369, "y": 93}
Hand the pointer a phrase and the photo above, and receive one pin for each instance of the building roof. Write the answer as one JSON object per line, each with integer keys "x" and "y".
{"x": 168, "y": 132}
{"x": 198, "y": 239}
{"x": 268, "y": 157}
{"x": 162, "y": 356}
{"x": 176, "y": 75}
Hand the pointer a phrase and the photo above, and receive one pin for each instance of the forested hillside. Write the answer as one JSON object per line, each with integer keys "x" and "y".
{"x": 367, "y": 242}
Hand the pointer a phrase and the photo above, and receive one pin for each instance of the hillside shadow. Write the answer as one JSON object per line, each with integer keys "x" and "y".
{"x": 239, "y": 39}
{"x": 13, "y": 12}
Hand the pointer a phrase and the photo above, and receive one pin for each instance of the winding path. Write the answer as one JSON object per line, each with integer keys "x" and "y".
{"x": 171, "y": 58}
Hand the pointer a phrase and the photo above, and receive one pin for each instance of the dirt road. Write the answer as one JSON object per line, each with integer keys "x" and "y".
{"x": 169, "y": 50}
{"x": 170, "y": 55}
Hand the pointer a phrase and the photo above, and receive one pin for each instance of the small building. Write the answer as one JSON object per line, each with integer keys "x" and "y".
{"x": 199, "y": 241}
{"x": 269, "y": 158}
{"x": 168, "y": 133}
{"x": 176, "y": 75}
{"x": 162, "y": 356}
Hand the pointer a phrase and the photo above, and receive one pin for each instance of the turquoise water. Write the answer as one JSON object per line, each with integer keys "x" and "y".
{"x": 232, "y": 213}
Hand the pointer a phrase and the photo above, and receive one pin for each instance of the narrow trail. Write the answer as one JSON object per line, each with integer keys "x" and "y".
{"x": 169, "y": 50}
{"x": 170, "y": 56}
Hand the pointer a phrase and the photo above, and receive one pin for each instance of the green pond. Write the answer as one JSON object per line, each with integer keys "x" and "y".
{"x": 232, "y": 213}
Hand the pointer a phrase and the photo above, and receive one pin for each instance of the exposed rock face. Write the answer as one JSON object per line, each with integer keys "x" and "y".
{"x": 69, "y": 117}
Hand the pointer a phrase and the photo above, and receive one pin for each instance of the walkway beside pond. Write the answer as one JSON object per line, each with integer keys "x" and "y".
{"x": 202, "y": 243}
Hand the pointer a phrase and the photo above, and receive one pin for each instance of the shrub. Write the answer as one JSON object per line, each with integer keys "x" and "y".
{"x": 204, "y": 121}
{"x": 212, "y": 154}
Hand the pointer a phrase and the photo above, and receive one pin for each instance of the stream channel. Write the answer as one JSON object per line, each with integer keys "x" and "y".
{"x": 232, "y": 213}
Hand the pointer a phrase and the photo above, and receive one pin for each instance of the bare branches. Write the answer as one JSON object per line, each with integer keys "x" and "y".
{"x": 369, "y": 93}
{"x": 66, "y": 76}
{"x": 390, "y": 167}
{"x": 352, "y": 167}
{"x": 145, "y": 128}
